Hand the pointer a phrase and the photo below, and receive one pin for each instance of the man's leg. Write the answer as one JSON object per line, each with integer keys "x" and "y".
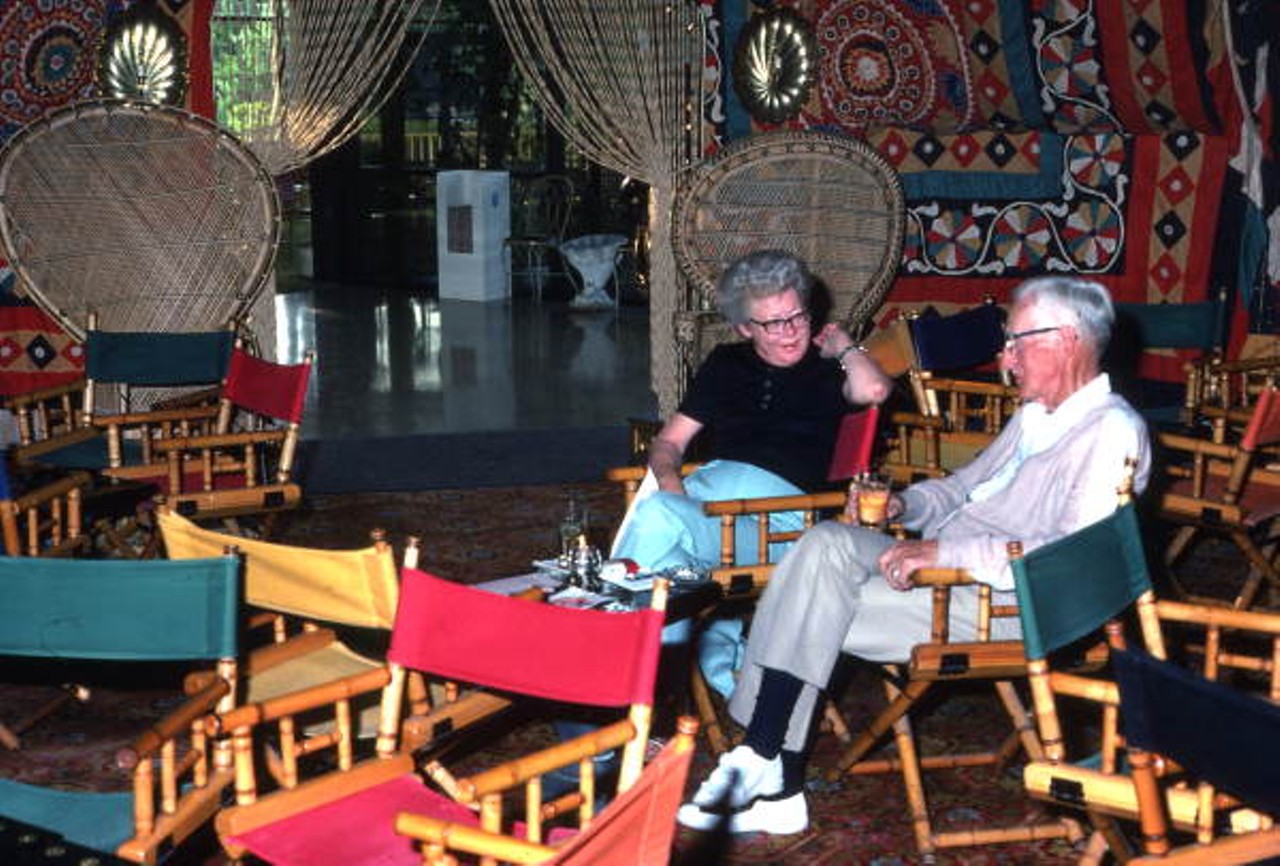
{"x": 795, "y": 640}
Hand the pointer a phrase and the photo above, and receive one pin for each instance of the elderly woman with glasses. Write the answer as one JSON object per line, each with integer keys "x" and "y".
{"x": 771, "y": 405}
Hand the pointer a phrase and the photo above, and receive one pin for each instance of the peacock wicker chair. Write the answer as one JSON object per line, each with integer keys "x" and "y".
{"x": 830, "y": 200}
{"x": 151, "y": 216}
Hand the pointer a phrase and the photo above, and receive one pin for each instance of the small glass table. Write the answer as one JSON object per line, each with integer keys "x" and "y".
{"x": 594, "y": 257}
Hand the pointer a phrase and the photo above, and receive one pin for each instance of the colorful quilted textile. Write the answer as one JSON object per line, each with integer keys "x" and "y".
{"x": 34, "y": 351}
{"x": 1013, "y": 127}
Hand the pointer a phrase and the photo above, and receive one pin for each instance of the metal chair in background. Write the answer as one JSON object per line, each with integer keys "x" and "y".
{"x": 542, "y": 219}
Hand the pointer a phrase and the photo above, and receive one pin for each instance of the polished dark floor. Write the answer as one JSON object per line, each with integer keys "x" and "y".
{"x": 398, "y": 361}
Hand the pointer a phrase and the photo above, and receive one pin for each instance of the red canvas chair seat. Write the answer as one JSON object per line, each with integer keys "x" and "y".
{"x": 326, "y": 834}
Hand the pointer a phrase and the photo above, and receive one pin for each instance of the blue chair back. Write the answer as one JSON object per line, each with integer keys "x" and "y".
{"x": 145, "y": 359}
{"x": 1073, "y": 586}
{"x": 1218, "y": 733}
{"x": 960, "y": 341}
{"x": 119, "y": 609}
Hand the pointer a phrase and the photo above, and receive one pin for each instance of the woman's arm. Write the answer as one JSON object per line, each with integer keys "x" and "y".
{"x": 864, "y": 381}
{"x": 666, "y": 451}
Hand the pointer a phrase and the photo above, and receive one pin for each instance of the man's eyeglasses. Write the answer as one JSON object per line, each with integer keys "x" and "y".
{"x": 774, "y": 327}
{"x": 1011, "y": 338}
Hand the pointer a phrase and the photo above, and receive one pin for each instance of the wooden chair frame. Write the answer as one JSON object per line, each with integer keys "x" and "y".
{"x": 648, "y": 809}
{"x": 177, "y": 768}
{"x": 1105, "y": 787}
{"x": 395, "y": 758}
{"x": 1231, "y": 490}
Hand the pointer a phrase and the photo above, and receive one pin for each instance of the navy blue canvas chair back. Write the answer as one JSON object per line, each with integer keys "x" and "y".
{"x": 1216, "y": 732}
{"x": 963, "y": 340}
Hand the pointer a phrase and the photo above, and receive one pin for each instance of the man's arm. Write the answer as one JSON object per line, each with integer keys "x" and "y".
{"x": 666, "y": 451}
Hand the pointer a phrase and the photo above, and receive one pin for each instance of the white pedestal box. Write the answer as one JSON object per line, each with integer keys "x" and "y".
{"x": 473, "y": 218}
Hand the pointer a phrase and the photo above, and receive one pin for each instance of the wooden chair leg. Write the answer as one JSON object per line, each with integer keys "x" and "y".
{"x": 708, "y": 718}
{"x": 10, "y": 735}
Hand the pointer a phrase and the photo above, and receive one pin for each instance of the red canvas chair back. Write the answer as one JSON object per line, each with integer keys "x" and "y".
{"x": 267, "y": 388}
{"x": 589, "y": 657}
{"x": 1264, "y": 423}
{"x": 855, "y": 443}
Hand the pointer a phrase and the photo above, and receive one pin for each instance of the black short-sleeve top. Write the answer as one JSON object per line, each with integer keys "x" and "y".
{"x": 783, "y": 419}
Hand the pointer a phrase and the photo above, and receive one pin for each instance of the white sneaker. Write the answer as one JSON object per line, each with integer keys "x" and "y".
{"x": 740, "y": 777}
{"x": 781, "y": 816}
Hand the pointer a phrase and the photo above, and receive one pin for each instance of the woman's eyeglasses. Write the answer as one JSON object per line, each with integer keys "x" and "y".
{"x": 773, "y": 327}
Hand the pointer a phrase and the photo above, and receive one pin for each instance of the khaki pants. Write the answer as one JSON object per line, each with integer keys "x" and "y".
{"x": 827, "y": 597}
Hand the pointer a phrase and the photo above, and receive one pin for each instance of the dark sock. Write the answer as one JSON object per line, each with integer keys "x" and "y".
{"x": 767, "y": 729}
{"x": 793, "y": 764}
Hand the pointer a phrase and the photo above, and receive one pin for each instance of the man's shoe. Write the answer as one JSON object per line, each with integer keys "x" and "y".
{"x": 781, "y": 816}
{"x": 778, "y": 815}
{"x": 740, "y": 777}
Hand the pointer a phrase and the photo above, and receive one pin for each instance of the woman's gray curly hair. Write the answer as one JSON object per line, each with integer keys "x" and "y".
{"x": 761, "y": 274}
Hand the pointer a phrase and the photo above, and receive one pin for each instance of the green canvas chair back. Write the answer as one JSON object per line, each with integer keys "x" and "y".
{"x": 146, "y": 359}
{"x": 1071, "y": 587}
{"x": 119, "y": 609}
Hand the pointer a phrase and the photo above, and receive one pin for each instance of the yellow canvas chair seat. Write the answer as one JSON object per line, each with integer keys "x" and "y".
{"x": 319, "y": 590}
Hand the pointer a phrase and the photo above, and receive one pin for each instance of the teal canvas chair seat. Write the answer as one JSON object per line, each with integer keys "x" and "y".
{"x": 144, "y": 612}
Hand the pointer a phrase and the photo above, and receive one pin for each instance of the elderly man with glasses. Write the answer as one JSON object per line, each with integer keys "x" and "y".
{"x": 771, "y": 404}
{"x": 844, "y": 589}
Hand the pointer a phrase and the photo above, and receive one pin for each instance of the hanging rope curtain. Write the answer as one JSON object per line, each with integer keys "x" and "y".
{"x": 620, "y": 80}
{"x": 310, "y": 73}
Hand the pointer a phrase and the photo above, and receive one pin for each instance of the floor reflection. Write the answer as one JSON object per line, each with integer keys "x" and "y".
{"x": 396, "y": 363}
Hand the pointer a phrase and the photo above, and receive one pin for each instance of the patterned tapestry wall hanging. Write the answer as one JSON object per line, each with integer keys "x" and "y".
{"x": 49, "y": 53}
{"x": 1032, "y": 136}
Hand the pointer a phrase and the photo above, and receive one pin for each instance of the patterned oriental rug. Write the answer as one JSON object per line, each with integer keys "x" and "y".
{"x": 471, "y": 535}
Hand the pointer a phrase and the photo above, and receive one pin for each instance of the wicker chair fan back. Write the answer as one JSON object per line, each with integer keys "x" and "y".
{"x": 151, "y": 216}
{"x": 830, "y": 200}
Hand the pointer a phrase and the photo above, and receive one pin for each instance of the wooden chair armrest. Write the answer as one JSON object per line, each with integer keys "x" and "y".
{"x": 52, "y": 490}
{"x": 193, "y": 399}
{"x": 264, "y": 712}
{"x": 30, "y": 398}
{"x": 635, "y": 474}
{"x": 517, "y": 771}
{"x": 969, "y": 386}
{"x": 219, "y": 440}
{"x": 906, "y": 418}
{"x": 471, "y": 840}
{"x": 942, "y": 577}
{"x": 167, "y": 416}
{"x": 173, "y": 725}
{"x": 1194, "y": 445}
{"x": 763, "y": 504}
{"x": 297, "y": 646}
{"x": 1085, "y": 688}
{"x": 35, "y": 450}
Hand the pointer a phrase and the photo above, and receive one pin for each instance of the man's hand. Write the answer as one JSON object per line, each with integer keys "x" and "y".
{"x": 900, "y": 561}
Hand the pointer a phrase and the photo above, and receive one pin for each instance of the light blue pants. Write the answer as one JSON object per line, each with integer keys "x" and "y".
{"x": 667, "y": 530}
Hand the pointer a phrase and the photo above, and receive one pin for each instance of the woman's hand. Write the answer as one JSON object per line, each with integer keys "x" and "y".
{"x": 832, "y": 340}
{"x": 899, "y": 562}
